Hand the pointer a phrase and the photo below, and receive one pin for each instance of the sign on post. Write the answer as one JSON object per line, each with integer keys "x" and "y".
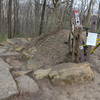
{"x": 91, "y": 39}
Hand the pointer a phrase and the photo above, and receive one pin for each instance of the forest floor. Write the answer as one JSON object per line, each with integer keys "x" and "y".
{"x": 52, "y": 51}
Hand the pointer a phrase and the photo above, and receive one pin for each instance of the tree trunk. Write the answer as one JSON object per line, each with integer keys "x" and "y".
{"x": 98, "y": 23}
{"x": 42, "y": 17}
{"x": 10, "y": 19}
{"x": 71, "y": 30}
{"x": 37, "y": 16}
{"x": 0, "y": 14}
{"x": 16, "y": 28}
{"x": 87, "y": 19}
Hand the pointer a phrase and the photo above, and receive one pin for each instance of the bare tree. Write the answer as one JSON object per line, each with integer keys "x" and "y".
{"x": 42, "y": 17}
{"x": 55, "y": 3}
{"x": 0, "y": 13}
{"x": 10, "y": 19}
{"x": 98, "y": 23}
{"x": 88, "y": 16}
{"x": 16, "y": 20}
{"x": 37, "y": 15}
{"x": 31, "y": 16}
{"x": 71, "y": 22}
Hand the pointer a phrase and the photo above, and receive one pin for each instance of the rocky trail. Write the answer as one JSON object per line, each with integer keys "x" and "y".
{"x": 31, "y": 70}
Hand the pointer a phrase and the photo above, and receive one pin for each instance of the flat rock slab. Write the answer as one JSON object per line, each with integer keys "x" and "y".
{"x": 7, "y": 84}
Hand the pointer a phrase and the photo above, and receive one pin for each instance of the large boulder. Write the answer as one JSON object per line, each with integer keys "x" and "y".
{"x": 71, "y": 73}
{"x": 7, "y": 84}
{"x": 27, "y": 84}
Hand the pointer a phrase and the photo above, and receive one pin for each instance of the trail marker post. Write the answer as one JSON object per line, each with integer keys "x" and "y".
{"x": 77, "y": 32}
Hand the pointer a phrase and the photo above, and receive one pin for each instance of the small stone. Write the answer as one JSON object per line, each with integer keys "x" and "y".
{"x": 27, "y": 84}
{"x": 19, "y": 48}
{"x": 21, "y": 73}
{"x": 42, "y": 73}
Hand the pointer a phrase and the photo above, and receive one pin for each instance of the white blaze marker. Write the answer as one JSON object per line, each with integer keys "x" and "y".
{"x": 77, "y": 18}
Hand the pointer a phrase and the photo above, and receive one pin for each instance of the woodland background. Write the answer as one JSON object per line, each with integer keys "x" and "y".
{"x": 36, "y": 17}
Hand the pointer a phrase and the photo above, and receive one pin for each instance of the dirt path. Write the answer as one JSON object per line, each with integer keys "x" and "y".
{"x": 52, "y": 49}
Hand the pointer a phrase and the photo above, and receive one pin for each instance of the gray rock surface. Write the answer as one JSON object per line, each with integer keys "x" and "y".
{"x": 7, "y": 84}
{"x": 27, "y": 84}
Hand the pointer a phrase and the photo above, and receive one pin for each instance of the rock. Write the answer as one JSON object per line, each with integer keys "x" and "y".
{"x": 2, "y": 50}
{"x": 7, "y": 84}
{"x": 1, "y": 44}
{"x": 6, "y": 54}
{"x": 4, "y": 66}
{"x": 27, "y": 84}
{"x": 19, "y": 48}
{"x": 18, "y": 41}
{"x": 70, "y": 73}
{"x": 21, "y": 73}
{"x": 17, "y": 44}
{"x": 42, "y": 73}
{"x": 30, "y": 52}
{"x": 34, "y": 64}
{"x": 62, "y": 97}
{"x": 16, "y": 63}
